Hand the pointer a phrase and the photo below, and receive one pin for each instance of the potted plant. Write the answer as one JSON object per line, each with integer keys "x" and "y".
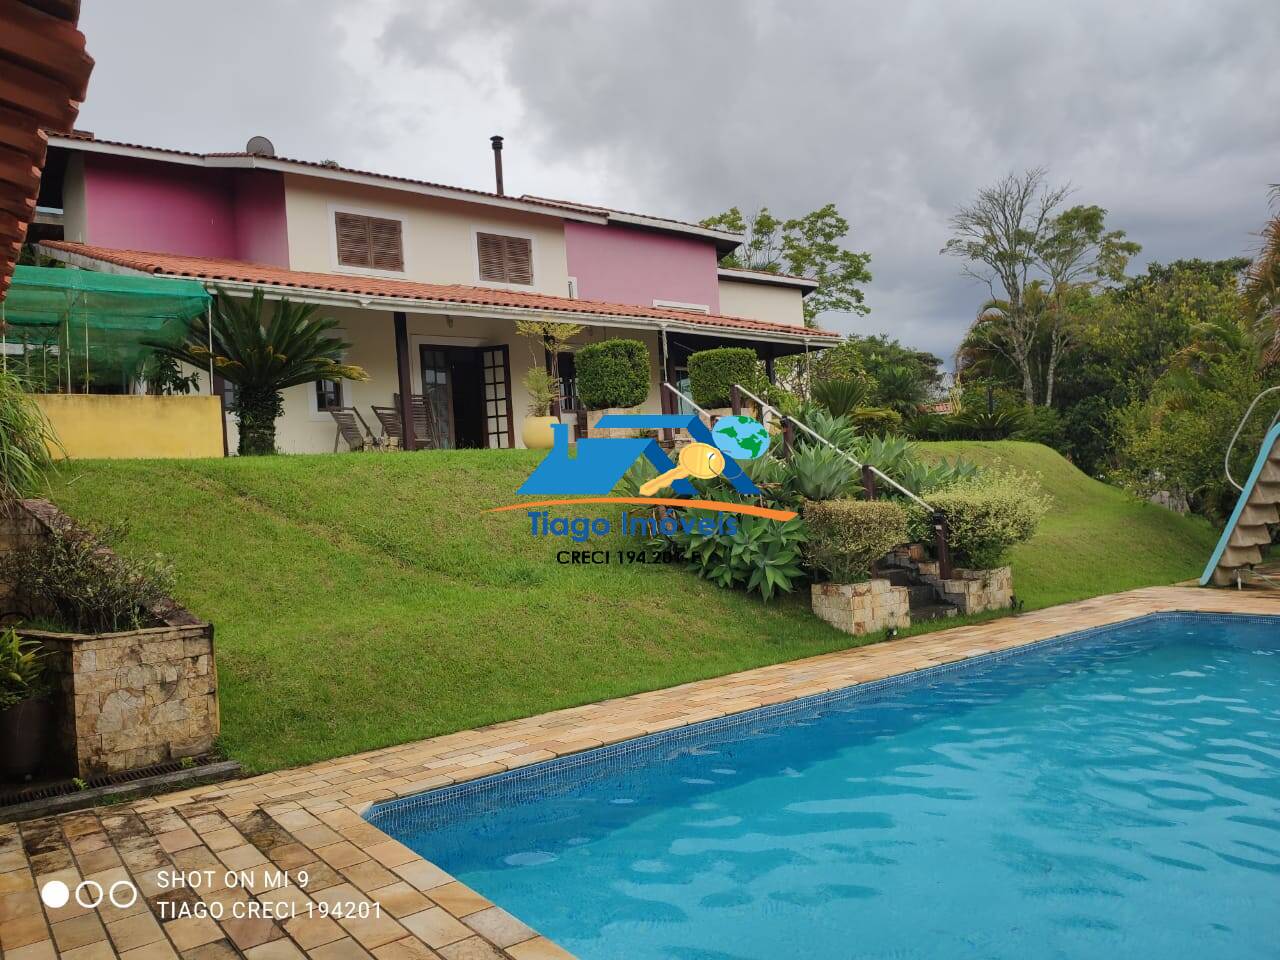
{"x": 547, "y": 340}
{"x": 613, "y": 376}
{"x": 543, "y": 389}
{"x": 26, "y": 713}
{"x": 846, "y": 539}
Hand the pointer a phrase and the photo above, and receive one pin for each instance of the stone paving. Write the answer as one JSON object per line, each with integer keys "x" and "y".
{"x": 309, "y": 819}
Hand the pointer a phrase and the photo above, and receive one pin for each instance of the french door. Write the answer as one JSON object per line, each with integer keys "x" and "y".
{"x": 499, "y": 426}
{"x": 468, "y": 390}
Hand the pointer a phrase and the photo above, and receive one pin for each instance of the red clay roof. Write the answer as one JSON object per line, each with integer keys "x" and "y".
{"x": 44, "y": 72}
{"x": 208, "y": 268}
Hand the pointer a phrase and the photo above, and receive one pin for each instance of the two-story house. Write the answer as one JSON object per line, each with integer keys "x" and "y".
{"x": 425, "y": 280}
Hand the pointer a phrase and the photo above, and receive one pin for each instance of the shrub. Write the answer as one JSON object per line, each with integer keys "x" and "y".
{"x": 24, "y": 454}
{"x": 847, "y": 536}
{"x": 713, "y": 372}
{"x": 981, "y": 424}
{"x": 762, "y": 556}
{"x": 986, "y": 515}
{"x": 840, "y": 398}
{"x": 1042, "y": 425}
{"x": 72, "y": 577}
{"x": 542, "y": 387}
{"x": 612, "y": 373}
{"x": 876, "y": 421}
{"x": 22, "y": 673}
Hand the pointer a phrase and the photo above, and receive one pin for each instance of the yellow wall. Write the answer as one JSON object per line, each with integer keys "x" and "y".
{"x": 761, "y": 301}
{"x": 117, "y": 427}
{"x": 438, "y": 234}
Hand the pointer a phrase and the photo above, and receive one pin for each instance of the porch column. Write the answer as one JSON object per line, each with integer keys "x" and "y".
{"x": 768, "y": 368}
{"x": 405, "y": 381}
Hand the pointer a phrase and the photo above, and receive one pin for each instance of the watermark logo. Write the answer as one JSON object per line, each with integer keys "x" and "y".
{"x": 588, "y": 471}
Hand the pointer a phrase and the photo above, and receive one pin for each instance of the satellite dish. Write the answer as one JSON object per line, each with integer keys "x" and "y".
{"x": 260, "y": 147}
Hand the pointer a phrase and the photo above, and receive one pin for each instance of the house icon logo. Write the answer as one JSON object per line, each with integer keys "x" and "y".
{"x": 600, "y": 463}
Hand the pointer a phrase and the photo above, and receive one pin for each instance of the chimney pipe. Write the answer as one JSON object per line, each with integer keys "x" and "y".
{"x": 497, "y": 161}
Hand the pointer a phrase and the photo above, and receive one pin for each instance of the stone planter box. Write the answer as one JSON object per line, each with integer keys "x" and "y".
{"x": 128, "y": 699}
{"x": 594, "y": 416}
{"x": 976, "y": 591}
{"x": 859, "y": 608}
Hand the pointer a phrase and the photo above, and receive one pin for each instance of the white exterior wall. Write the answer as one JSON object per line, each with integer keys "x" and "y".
{"x": 371, "y": 334}
{"x": 761, "y": 301}
{"x": 438, "y": 234}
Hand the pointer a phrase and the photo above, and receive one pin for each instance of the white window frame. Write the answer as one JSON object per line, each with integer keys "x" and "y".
{"x": 679, "y": 305}
{"x": 382, "y": 213}
{"x": 418, "y": 341}
{"x": 535, "y": 261}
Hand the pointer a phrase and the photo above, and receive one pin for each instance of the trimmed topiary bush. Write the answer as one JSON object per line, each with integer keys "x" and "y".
{"x": 986, "y": 515}
{"x": 847, "y": 536}
{"x": 612, "y": 373}
{"x": 713, "y": 372}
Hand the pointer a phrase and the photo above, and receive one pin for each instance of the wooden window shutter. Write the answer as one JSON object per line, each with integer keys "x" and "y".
{"x": 505, "y": 259}
{"x": 519, "y": 257}
{"x": 372, "y": 242}
{"x": 353, "y": 239}
{"x": 386, "y": 247}
{"x": 492, "y": 263}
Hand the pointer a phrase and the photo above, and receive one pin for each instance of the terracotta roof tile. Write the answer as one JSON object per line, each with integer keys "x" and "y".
{"x": 207, "y": 268}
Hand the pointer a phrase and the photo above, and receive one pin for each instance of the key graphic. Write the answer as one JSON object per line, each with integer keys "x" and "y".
{"x": 700, "y": 460}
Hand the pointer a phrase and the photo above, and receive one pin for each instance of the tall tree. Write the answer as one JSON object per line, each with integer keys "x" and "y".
{"x": 807, "y": 246}
{"x": 1262, "y": 286}
{"x": 1016, "y": 234}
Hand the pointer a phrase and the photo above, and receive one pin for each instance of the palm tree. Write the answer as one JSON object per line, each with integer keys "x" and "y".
{"x": 1262, "y": 287}
{"x": 901, "y": 388}
{"x": 294, "y": 346}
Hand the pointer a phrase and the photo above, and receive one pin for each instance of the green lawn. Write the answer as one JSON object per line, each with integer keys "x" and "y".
{"x": 366, "y": 600}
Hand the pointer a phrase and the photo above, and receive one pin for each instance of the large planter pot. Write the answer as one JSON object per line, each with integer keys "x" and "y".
{"x": 859, "y": 608}
{"x": 536, "y": 432}
{"x": 25, "y": 733}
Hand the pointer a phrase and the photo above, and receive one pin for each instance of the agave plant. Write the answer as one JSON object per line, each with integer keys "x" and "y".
{"x": 820, "y": 473}
{"x": 293, "y": 346}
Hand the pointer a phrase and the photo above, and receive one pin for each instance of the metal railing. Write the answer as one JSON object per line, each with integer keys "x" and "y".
{"x": 942, "y": 549}
{"x": 865, "y": 467}
{"x": 1226, "y": 460}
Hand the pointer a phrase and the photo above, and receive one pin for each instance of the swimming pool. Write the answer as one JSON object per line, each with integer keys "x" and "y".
{"x": 1111, "y": 792}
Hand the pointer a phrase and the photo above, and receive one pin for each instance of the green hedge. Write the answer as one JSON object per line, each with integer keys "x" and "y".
{"x": 847, "y": 536}
{"x": 612, "y": 373}
{"x": 713, "y": 372}
{"x": 986, "y": 515}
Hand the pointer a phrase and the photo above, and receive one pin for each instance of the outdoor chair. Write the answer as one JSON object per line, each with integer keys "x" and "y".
{"x": 424, "y": 431}
{"x": 353, "y": 429}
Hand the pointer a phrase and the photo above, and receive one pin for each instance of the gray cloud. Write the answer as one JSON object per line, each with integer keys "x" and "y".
{"x": 1162, "y": 112}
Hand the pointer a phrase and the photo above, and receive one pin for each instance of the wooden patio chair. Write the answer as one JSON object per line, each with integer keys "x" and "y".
{"x": 352, "y": 429}
{"x": 424, "y": 422}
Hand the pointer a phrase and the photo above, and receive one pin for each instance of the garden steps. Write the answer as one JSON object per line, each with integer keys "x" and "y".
{"x": 1240, "y": 548}
{"x": 924, "y": 601}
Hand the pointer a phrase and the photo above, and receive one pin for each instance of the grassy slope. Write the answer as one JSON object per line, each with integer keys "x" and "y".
{"x": 366, "y": 600}
{"x": 1097, "y": 539}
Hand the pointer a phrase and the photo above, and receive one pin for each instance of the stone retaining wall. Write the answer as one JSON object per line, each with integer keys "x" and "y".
{"x": 127, "y": 699}
{"x": 859, "y": 608}
{"x": 973, "y": 591}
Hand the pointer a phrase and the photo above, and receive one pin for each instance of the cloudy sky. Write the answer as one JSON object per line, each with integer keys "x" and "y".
{"x": 1165, "y": 113}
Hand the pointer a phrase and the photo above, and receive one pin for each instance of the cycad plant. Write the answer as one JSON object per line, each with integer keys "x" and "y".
{"x": 261, "y": 357}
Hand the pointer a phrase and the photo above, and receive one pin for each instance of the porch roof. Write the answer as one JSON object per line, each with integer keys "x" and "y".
{"x": 414, "y": 297}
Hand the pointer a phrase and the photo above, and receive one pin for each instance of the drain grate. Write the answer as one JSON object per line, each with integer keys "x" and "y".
{"x": 61, "y": 788}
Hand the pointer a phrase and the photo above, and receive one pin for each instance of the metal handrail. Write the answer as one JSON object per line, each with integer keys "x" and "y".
{"x": 821, "y": 439}
{"x": 1226, "y": 460}
{"x": 685, "y": 399}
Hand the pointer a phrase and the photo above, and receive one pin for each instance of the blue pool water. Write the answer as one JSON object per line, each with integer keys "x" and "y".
{"x": 1111, "y": 794}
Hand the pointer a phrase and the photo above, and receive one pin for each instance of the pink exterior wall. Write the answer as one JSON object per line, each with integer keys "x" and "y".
{"x": 134, "y": 204}
{"x": 626, "y": 265}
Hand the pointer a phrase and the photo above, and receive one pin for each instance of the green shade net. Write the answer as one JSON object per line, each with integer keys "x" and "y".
{"x": 78, "y": 331}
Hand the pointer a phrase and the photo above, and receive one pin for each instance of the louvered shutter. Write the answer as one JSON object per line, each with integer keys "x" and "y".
{"x": 492, "y": 262}
{"x": 353, "y": 239}
{"x": 386, "y": 249}
{"x": 518, "y": 253}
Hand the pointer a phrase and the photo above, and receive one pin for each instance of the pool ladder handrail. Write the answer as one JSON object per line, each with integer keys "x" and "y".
{"x": 1226, "y": 459}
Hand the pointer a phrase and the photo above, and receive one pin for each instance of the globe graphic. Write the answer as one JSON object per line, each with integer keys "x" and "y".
{"x": 742, "y": 438}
